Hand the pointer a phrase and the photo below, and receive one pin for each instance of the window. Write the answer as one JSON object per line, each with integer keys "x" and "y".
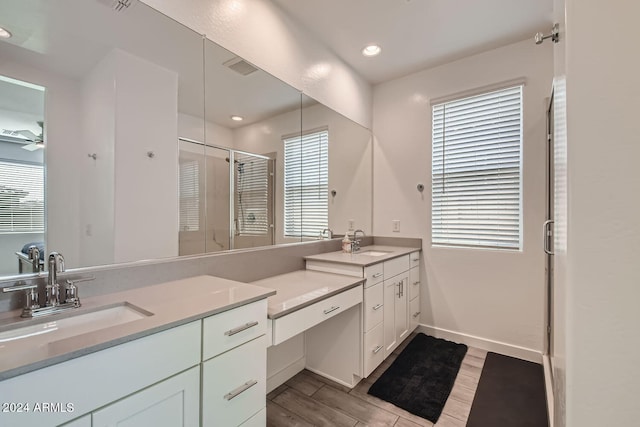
{"x": 476, "y": 170}
{"x": 252, "y": 194}
{"x": 21, "y": 197}
{"x": 306, "y": 184}
{"x": 189, "y": 195}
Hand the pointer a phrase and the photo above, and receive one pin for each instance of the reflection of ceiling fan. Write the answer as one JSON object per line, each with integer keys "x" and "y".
{"x": 26, "y": 136}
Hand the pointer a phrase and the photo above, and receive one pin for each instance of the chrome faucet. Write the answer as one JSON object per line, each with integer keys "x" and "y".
{"x": 56, "y": 265}
{"x": 355, "y": 245}
{"x": 34, "y": 257}
{"x": 329, "y": 233}
{"x": 57, "y": 298}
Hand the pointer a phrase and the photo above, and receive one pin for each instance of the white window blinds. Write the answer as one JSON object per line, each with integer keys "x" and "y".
{"x": 189, "y": 195}
{"x": 306, "y": 184}
{"x": 252, "y": 194}
{"x": 21, "y": 197}
{"x": 476, "y": 170}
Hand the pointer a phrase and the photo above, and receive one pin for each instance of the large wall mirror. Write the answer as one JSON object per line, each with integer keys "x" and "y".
{"x": 126, "y": 136}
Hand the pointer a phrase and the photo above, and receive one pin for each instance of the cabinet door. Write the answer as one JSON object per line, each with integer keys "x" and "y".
{"x": 402, "y": 309}
{"x": 391, "y": 295}
{"x": 174, "y": 402}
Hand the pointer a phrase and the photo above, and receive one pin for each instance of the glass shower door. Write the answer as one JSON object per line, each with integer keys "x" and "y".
{"x": 253, "y": 201}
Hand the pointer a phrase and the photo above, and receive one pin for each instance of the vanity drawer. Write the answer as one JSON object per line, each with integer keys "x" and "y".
{"x": 234, "y": 385}
{"x": 373, "y": 349}
{"x": 373, "y": 301}
{"x": 299, "y": 321}
{"x": 414, "y": 283}
{"x": 414, "y": 314}
{"x": 232, "y": 328}
{"x": 374, "y": 274}
{"x": 414, "y": 259}
{"x": 395, "y": 266}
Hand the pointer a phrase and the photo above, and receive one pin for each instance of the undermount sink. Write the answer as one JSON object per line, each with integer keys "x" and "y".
{"x": 55, "y": 327}
{"x": 373, "y": 253}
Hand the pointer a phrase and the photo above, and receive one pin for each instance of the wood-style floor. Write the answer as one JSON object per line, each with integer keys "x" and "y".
{"x": 311, "y": 400}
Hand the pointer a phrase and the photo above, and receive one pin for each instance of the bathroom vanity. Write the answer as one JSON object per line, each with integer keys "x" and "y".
{"x": 194, "y": 340}
{"x": 391, "y": 303}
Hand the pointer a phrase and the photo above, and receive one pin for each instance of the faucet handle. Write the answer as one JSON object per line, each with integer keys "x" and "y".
{"x": 31, "y": 296}
{"x": 71, "y": 291}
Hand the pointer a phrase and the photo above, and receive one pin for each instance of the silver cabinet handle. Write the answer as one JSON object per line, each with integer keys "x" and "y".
{"x": 416, "y": 314}
{"x": 377, "y": 349}
{"x": 375, "y": 276}
{"x": 377, "y": 307}
{"x": 329, "y": 310}
{"x": 244, "y": 387}
{"x": 546, "y": 233}
{"x": 239, "y": 329}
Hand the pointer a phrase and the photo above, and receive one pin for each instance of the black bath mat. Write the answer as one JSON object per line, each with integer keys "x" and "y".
{"x": 510, "y": 393}
{"x": 421, "y": 377}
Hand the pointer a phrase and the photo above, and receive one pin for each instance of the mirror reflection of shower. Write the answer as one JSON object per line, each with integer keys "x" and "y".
{"x": 223, "y": 206}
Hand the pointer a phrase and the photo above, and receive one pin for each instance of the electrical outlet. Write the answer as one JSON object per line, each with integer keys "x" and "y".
{"x": 351, "y": 224}
{"x": 396, "y": 225}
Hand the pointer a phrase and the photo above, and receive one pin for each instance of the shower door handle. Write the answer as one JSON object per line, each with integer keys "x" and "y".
{"x": 546, "y": 234}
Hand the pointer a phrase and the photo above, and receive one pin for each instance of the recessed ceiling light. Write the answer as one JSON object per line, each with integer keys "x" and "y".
{"x": 371, "y": 50}
{"x": 5, "y": 34}
{"x": 237, "y": 118}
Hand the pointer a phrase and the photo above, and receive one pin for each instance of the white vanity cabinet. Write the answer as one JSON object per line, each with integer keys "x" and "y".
{"x": 390, "y": 300}
{"x": 156, "y": 380}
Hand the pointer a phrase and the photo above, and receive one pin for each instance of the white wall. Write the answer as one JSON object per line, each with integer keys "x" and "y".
{"x": 493, "y": 295}
{"x": 146, "y": 189}
{"x": 603, "y": 101}
{"x": 260, "y": 32}
{"x": 130, "y": 109}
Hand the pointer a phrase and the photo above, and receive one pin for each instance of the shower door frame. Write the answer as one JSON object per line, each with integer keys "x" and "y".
{"x": 232, "y": 187}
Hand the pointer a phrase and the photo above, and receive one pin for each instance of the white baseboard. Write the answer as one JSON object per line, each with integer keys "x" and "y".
{"x": 483, "y": 343}
{"x": 285, "y": 374}
{"x": 548, "y": 383}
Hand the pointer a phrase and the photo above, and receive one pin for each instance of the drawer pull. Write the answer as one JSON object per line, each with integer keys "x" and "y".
{"x": 415, "y": 259}
{"x": 244, "y": 387}
{"x": 416, "y": 314}
{"x": 377, "y": 306}
{"x": 375, "y": 276}
{"x": 241, "y": 328}
{"x": 377, "y": 349}
{"x": 333, "y": 308}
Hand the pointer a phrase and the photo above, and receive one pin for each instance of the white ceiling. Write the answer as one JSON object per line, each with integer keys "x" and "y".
{"x": 69, "y": 37}
{"x": 417, "y": 34}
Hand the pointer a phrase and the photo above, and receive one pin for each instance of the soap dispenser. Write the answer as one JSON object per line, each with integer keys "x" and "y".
{"x": 346, "y": 243}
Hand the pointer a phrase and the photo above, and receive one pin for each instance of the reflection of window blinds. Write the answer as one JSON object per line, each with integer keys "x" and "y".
{"x": 252, "y": 194}
{"x": 21, "y": 197}
{"x": 476, "y": 170}
{"x": 189, "y": 195}
{"x": 306, "y": 184}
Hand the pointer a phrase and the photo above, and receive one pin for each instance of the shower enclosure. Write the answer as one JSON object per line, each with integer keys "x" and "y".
{"x": 226, "y": 198}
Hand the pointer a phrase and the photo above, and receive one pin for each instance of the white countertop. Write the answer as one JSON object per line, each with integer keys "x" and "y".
{"x": 172, "y": 304}
{"x": 357, "y": 258}
{"x": 302, "y": 288}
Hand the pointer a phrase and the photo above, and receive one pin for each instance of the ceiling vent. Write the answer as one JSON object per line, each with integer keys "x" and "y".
{"x": 240, "y": 66}
{"x": 118, "y": 5}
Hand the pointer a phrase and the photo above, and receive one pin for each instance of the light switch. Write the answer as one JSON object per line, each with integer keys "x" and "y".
{"x": 396, "y": 225}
